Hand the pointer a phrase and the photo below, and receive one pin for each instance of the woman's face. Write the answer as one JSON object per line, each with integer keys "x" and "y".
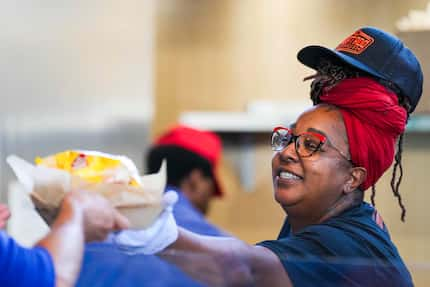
{"x": 308, "y": 186}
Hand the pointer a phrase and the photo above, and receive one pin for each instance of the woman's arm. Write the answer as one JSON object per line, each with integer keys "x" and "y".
{"x": 225, "y": 261}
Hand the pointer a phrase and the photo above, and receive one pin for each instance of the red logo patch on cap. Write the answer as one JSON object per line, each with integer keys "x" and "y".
{"x": 356, "y": 43}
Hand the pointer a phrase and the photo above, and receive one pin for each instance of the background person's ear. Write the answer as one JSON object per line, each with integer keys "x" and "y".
{"x": 357, "y": 177}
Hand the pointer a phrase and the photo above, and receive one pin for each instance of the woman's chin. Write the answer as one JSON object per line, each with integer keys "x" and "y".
{"x": 287, "y": 196}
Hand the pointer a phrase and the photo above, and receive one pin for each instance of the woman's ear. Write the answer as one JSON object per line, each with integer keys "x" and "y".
{"x": 357, "y": 177}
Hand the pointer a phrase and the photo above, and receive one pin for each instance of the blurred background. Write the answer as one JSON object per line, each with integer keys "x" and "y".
{"x": 111, "y": 75}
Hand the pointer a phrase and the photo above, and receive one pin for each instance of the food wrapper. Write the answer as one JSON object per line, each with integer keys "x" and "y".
{"x": 139, "y": 198}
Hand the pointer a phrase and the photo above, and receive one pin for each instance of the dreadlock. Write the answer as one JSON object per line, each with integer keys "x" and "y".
{"x": 395, "y": 185}
{"x": 330, "y": 73}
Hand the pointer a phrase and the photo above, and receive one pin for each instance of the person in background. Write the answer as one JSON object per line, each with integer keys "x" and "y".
{"x": 56, "y": 259}
{"x": 363, "y": 92}
{"x": 192, "y": 158}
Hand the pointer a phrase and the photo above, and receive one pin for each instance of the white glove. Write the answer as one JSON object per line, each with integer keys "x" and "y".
{"x": 153, "y": 239}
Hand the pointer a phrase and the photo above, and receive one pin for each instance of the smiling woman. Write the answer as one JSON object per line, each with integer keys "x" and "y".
{"x": 342, "y": 146}
{"x": 312, "y": 175}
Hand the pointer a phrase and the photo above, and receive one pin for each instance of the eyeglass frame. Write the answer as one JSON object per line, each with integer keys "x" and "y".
{"x": 323, "y": 139}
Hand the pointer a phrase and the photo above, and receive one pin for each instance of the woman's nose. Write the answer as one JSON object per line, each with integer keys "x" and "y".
{"x": 289, "y": 153}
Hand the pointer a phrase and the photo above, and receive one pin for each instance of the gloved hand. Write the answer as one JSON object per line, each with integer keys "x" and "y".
{"x": 155, "y": 238}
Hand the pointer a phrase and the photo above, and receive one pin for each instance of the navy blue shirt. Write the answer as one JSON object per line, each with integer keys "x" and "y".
{"x": 352, "y": 249}
{"x": 105, "y": 266}
{"x": 23, "y": 267}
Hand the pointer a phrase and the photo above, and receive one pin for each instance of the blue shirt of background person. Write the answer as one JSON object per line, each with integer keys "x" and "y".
{"x": 192, "y": 158}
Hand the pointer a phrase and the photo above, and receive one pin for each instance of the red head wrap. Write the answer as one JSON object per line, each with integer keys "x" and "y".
{"x": 373, "y": 121}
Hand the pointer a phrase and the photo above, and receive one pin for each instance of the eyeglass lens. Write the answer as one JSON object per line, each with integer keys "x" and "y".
{"x": 306, "y": 144}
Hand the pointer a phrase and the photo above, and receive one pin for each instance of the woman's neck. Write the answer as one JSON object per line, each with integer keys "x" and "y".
{"x": 343, "y": 203}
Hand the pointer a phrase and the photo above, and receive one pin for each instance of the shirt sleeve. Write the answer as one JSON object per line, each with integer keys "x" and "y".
{"x": 22, "y": 267}
{"x": 326, "y": 256}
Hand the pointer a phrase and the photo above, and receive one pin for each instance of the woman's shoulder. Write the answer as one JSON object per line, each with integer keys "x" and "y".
{"x": 358, "y": 231}
{"x": 362, "y": 221}
{"x": 352, "y": 243}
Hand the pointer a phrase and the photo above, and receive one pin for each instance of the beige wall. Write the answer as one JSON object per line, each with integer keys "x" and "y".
{"x": 219, "y": 55}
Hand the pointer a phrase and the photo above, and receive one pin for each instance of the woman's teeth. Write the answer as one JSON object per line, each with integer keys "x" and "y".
{"x": 287, "y": 175}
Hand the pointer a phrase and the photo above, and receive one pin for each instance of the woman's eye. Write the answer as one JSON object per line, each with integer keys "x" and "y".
{"x": 310, "y": 144}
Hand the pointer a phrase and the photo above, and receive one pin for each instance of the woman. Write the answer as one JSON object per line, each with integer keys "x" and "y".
{"x": 323, "y": 163}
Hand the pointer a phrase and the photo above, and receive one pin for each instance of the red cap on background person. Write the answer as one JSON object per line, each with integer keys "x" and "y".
{"x": 205, "y": 144}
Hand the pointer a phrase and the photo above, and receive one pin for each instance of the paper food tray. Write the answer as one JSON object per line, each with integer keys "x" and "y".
{"x": 141, "y": 204}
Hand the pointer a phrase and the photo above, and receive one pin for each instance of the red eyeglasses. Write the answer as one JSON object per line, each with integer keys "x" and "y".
{"x": 306, "y": 144}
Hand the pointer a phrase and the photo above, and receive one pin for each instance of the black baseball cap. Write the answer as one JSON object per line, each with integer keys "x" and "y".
{"x": 377, "y": 53}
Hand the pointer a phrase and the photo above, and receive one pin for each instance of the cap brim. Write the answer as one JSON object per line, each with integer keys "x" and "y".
{"x": 311, "y": 56}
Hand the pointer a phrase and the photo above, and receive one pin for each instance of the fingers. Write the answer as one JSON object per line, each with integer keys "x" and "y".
{"x": 112, "y": 221}
{"x": 97, "y": 234}
{"x": 100, "y": 217}
{"x": 120, "y": 221}
{"x": 4, "y": 211}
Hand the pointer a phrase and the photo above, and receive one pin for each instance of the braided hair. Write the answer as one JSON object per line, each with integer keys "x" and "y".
{"x": 331, "y": 72}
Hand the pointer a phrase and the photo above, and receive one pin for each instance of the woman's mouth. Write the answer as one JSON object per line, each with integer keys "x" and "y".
{"x": 288, "y": 175}
{"x": 287, "y": 178}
